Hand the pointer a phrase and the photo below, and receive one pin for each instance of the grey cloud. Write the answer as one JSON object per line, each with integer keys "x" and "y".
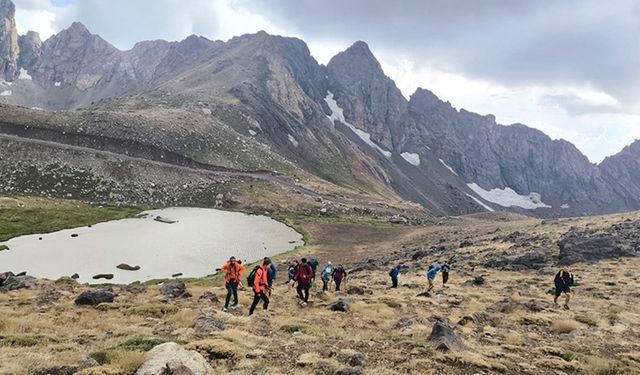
{"x": 510, "y": 42}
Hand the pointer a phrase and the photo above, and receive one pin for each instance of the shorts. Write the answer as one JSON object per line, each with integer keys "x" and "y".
{"x": 562, "y": 289}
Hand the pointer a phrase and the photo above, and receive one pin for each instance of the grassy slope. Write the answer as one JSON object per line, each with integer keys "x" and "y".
{"x": 27, "y": 215}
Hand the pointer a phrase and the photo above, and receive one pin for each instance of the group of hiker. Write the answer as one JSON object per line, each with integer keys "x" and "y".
{"x": 302, "y": 275}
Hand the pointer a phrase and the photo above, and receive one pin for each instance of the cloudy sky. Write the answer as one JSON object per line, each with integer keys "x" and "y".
{"x": 570, "y": 68}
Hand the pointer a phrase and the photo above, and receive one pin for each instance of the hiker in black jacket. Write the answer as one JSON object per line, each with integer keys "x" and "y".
{"x": 564, "y": 282}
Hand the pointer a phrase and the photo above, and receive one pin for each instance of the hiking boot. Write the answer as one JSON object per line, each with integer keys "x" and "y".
{"x": 225, "y": 309}
{"x": 566, "y": 307}
{"x": 234, "y": 306}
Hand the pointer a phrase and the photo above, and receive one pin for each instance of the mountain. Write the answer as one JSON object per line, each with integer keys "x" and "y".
{"x": 260, "y": 102}
{"x": 8, "y": 41}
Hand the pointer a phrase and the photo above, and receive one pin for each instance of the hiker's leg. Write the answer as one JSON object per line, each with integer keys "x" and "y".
{"x": 266, "y": 301}
{"x": 394, "y": 282}
{"x": 299, "y": 290}
{"x": 234, "y": 289}
{"x": 567, "y": 298}
{"x": 338, "y": 281}
{"x": 256, "y": 299}
{"x": 557, "y": 295}
{"x": 226, "y": 300}
{"x": 306, "y": 292}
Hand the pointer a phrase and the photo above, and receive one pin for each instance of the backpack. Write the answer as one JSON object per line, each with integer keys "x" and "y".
{"x": 252, "y": 276}
{"x": 306, "y": 275}
{"x": 391, "y": 272}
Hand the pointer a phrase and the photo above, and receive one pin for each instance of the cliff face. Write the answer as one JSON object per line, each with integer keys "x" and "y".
{"x": 9, "y": 50}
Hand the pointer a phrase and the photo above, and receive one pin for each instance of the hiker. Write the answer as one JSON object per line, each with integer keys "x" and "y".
{"x": 564, "y": 282}
{"x": 271, "y": 272}
{"x": 259, "y": 279}
{"x": 291, "y": 272}
{"x": 232, "y": 278}
{"x": 339, "y": 274}
{"x": 431, "y": 274}
{"x": 304, "y": 277}
{"x": 445, "y": 273}
{"x": 314, "y": 267}
{"x": 325, "y": 275}
{"x": 394, "y": 273}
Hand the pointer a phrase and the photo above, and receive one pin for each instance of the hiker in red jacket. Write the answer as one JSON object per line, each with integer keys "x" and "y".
{"x": 304, "y": 277}
{"x": 339, "y": 274}
{"x": 261, "y": 286}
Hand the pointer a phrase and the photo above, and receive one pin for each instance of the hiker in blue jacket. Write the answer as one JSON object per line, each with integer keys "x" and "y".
{"x": 431, "y": 274}
{"x": 395, "y": 271}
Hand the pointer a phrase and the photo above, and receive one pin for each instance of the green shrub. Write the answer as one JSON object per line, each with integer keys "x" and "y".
{"x": 588, "y": 320}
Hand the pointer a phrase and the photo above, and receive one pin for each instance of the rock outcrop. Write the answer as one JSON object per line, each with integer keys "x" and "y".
{"x": 30, "y": 50}
{"x": 94, "y": 297}
{"x": 9, "y": 49}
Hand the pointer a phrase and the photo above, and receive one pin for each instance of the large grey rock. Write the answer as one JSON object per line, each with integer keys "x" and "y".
{"x": 171, "y": 356}
{"x": 619, "y": 240}
{"x": 444, "y": 338}
{"x": 175, "y": 289}
{"x": 19, "y": 282}
{"x": 94, "y": 297}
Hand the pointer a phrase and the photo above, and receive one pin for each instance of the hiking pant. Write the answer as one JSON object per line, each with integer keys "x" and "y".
{"x": 303, "y": 288}
{"x": 325, "y": 285}
{"x": 394, "y": 282}
{"x": 445, "y": 277}
{"x": 256, "y": 298}
{"x": 338, "y": 282}
{"x": 232, "y": 288}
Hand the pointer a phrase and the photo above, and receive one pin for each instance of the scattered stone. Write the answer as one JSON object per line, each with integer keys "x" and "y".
{"x": 206, "y": 325}
{"x": 177, "y": 274}
{"x": 356, "y": 359}
{"x": 171, "y": 357}
{"x": 94, "y": 297}
{"x": 349, "y": 371}
{"x": 465, "y": 243}
{"x": 477, "y": 281}
{"x": 86, "y": 362}
{"x": 209, "y": 296}
{"x": 444, "y": 338}
{"x": 175, "y": 289}
{"x": 164, "y": 220}
{"x": 23, "y": 273}
{"x": 75, "y": 276}
{"x": 19, "y": 282}
{"x": 57, "y": 370}
{"x": 74, "y": 235}
{"x": 48, "y": 295}
{"x": 126, "y": 267}
{"x": 107, "y": 276}
{"x": 419, "y": 254}
{"x": 340, "y": 305}
{"x": 353, "y": 289}
{"x": 134, "y": 288}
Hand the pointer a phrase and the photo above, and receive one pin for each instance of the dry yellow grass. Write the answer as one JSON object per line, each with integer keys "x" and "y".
{"x": 564, "y": 326}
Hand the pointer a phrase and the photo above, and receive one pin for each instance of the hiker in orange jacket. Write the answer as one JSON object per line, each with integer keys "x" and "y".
{"x": 261, "y": 286}
{"x": 232, "y": 277}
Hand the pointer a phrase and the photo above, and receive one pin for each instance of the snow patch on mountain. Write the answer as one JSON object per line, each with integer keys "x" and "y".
{"x": 478, "y": 201}
{"x": 564, "y": 206}
{"x": 24, "y": 74}
{"x": 57, "y": 84}
{"x": 448, "y": 167}
{"x": 293, "y": 141}
{"x": 338, "y": 115}
{"x": 507, "y": 197}
{"x": 411, "y": 158}
{"x": 6, "y": 93}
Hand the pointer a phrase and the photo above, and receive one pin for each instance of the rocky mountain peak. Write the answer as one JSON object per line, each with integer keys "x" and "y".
{"x": 30, "y": 50}
{"x": 358, "y": 58}
{"x": 9, "y": 49}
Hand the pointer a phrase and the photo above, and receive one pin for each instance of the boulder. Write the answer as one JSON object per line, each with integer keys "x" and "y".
{"x": 353, "y": 289}
{"x": 18, "y": 282}
{"x": 4, "y": 276}
{"x": 75, "y": 276}
{"x": 356, "y": 359}
{"x": 175, "y": 289}
{"x": 107, "y": 276}
{"x": 444, "y": 338}
{"x": 168, "y": 358}
{"x": 94, "y": 297}
{"x": 340, "y": 305}
{"x": 206, "y": 325}
{"x": 209, "y": 296}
